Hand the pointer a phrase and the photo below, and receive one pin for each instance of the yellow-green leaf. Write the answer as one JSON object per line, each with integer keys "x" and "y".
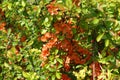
{"x": 23, "y": 3}
{"x": 107, "y": 42}
{"x": 58, "y": 75}
{"x": 99, "y": 37}
{"x": 95, "y": 21}
{"x": 25, "y": 74}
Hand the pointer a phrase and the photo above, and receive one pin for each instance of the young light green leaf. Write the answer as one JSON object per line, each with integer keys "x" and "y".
{"x": 99, "y": 37}
{"x": 56, "y": 51}
{"x": 2, "y": 47}
{"x": 16, "y": 67}
{"x": 10, "y": 6}
{"x": 23, "y": 3}
{"x": 107, "y": 59}
{"x": 25, "y": 74}
{"x": 9, "y": 31}
{"x": 58, "y": 75}
{"x": 53, "y": 77}
{"x": 30, "y": 43}
{"x": 6, "y": 65}
{"x": 107, "y": 42}
{"x": 95, "y": 21}
{"x": 43, "y": 31}
{"x": 60, "y": 60}
{"x": 68, "y": 4}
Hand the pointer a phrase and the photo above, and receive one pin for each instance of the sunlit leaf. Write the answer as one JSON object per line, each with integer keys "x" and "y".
{"x": 58, "y": 75}
{"x": 95, "y": 21}
{"x": 99, "y": 37}
{"x": 25, "y": 74}
{"x": 69, "y": 4}
{"x": 23, "y": 3}
{"x": 53, "y": 77}
{"x": 59, "y": 60}
{"x": 107, "y": 42}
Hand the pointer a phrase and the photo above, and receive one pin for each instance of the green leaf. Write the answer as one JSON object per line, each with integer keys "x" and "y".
{"x": 74, "y": 30}
{"x": 107, "y": 42}
{"x": 60, "y": 60}
{"x": 25, "y": 74}
{"x": 61, "y": 37}
{"x": 95, "y": 21}
{"x": 56, "y": 51}
{"x": 33, "y": 76}
{"x": 60, "y": 66}
{"x": 23, "y": 3}
{"x": 16, "y": 67}
{"x": 30, "y": 43}
{"x": 1, "y": 77}
{"x": 10, "y": 6}
{"x": 99, "y": 37}
{"x": 53, "y": 77}
{"x": 7, "y": 65}
{"x": 107, "y": 59}
{"x": 69, "y": 4}
{"x": 119, "y": 70}
{"x": 118, "y": 55}
{"x": 2, "y": 47}
{"x": 46, "y": 20}
{"x": 31, "y": 1}
{"x": 19, "y": 57}
{"x": 43, "y": 31}
{"x": 9, "y": 31}
{"x": 58, "y": 75}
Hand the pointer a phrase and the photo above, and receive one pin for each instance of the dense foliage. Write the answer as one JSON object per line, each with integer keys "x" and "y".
{"x": 59, "y": 40}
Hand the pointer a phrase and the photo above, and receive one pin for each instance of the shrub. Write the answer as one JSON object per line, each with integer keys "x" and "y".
{"x": 59, "y": 39}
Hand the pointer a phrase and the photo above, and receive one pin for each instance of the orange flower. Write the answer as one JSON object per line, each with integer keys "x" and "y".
{"x": 45, "y": 49}
{"x": 96, "y": 70}
{"x": 42, "y": 64}
{"x": 39, "y": 38}
{"x": 65, "y": 28}
{"x": 45, "y": 52}
{"x": 23, "y": 38}
{"x": 46, "y": 36}
{"x": 52, "y": 9}
{"x": 2, "y": 26}
{"x": 76, "y": 2}
{"x": 43, "y": 39}
{"x": 118, "y": 33}
{"x": 1, "y": 12}
{"x": 58, "y": 26}
{"x": 65, "y": 77}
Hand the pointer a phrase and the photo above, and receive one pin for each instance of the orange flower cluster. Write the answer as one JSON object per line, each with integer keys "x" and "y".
{"x": 65, "y": 28}
{"x": 75, "y": 53}
{"x": 23, "y": 38}
{"x": 96, "y": 70}
{"x": 2, "y": 24}
{"x": 49, "y": 45}
{"x": 65, "y": 77}
{"x": 52, "y": 9}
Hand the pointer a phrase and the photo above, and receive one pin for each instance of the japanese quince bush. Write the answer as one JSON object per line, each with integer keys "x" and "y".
{"x": 59, "y": 40}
